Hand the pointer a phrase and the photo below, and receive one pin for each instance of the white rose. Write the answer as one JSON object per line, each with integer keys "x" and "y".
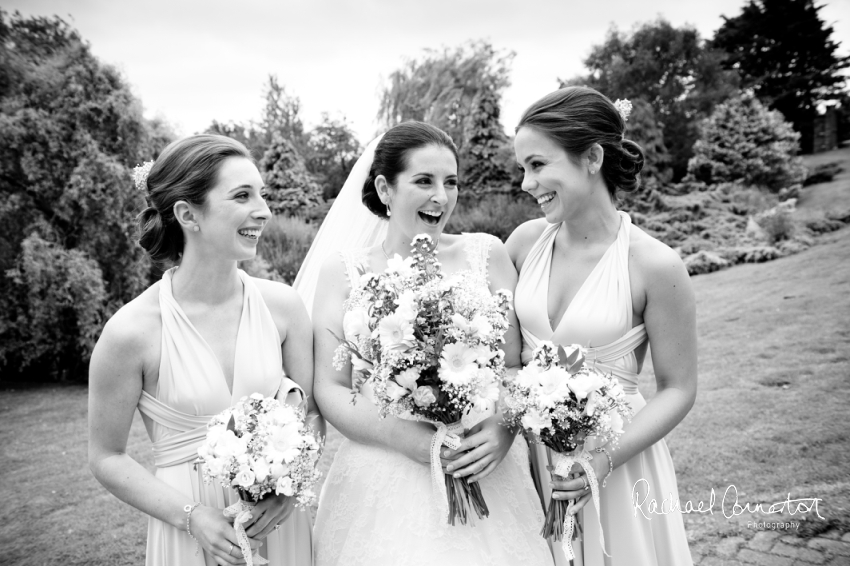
{"x": 553, "y": 386}
{"x": 244, "y": 478}
{"x": 230, "y": 446}
{"x": 583, "y": 383}
{"x": 407, "y": 306}
{"x": 216, "y": 467}
{"x": 592, "y": 402}
{"x": 284, "y": 486}
{"x": 424, "y": 396}
{"x": 481, "y": 325}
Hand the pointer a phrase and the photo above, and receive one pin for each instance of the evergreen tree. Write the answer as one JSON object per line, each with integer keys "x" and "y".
{"x": 482, "y": 168}
{"x": 783, "y": 50}
{"x": 291, "y": 187}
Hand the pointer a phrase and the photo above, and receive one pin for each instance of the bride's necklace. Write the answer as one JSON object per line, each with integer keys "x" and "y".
{"x": 386, "y": 255}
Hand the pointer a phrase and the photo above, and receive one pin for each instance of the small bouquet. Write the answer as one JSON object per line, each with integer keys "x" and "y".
{"x": 562, "y": 401}
{"x": 427, "y": 348}
{"x": 257, "y": 447}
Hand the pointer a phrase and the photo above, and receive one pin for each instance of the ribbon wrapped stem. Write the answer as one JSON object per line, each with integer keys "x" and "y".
{"x": 559, "y": 523}
{"x": 240, "y": 512}
{"x": 455, "y": 496}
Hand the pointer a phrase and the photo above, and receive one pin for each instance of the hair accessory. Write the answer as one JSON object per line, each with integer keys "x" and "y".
{"x": 140, "y": 175}
{"x": 624, "y": 107}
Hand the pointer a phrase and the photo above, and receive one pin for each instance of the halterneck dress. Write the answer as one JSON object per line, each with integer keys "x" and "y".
{"x": 190, "y": 390}
{"x": 600, "y": 317}
{"x": 377, "y": 506}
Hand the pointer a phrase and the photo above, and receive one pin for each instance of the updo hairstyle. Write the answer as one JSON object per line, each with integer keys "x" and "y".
{"x": 186, "y": 170}
{"x": 391, "y": 157}
{"x": 577, "y": 117}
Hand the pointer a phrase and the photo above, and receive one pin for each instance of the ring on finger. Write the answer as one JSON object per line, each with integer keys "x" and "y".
{"x": 230, "y": 550}
{"x": 276, "y": 527}
{"x": 584, "y": 482}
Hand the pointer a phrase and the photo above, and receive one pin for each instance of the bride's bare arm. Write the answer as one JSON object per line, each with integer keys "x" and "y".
{"x": 360, "y": 421}
{"x": 115, "y": 386}
{"x": 670, "y": 318}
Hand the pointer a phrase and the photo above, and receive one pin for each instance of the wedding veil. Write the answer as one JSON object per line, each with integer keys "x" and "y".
{"x": 348, "y": 225}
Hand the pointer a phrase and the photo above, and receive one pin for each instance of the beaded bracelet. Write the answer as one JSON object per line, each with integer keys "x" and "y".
{"x": 602, "y": 449}
{"x": 188, "y": 510}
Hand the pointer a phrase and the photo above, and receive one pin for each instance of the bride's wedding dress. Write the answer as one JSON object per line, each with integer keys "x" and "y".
{"x": 378, "y": 507}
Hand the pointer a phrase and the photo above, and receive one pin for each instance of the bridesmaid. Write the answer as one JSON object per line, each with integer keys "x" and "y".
{"x": 192, "y": 345}
{"x": 589, "y": 277}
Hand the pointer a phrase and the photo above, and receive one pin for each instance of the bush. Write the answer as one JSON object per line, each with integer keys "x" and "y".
{"x": 777, "y": 222}
{"x": 498, "y": 215}
{"x": 705, "y": 262}
{"x": 284, "y": 244}
{"x": 823, "y": 173}
{"x": 743, "y": 141}
{"x": 56, "y": 307}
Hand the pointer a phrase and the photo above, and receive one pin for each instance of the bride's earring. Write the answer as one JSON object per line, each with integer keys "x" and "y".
{"x": 196, "y": 228}
{"x": 389, "y": 212}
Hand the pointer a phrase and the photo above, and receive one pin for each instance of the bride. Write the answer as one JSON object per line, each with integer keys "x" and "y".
{"x": 377, "y": 505}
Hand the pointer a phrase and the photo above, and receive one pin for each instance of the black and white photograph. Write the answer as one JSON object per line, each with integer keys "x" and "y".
{"x": 401, "y": 283}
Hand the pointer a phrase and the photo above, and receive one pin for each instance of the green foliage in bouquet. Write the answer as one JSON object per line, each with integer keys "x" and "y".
{"x": 742, "y": 141}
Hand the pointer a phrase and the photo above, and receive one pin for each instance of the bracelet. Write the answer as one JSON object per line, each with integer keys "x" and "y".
{"x": 602, "y": 449}
{"x": 188, "y": 510}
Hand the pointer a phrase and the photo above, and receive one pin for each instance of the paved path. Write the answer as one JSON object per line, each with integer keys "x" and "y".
{"x": 773, "y": 548}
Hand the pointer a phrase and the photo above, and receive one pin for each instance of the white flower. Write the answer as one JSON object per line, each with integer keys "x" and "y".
{"x": 216, "y": 467}
{"x": 458, "y": 364}
{"x": 230, "y": 446}
{"x": 574, "y": 356}
{"x": 244, "y": 477}
{"x": 553, "y": 386}
{"x": 278, "y": 470}
{"x": 408, "y": 378}
{"x": 403, "y": 267}
{"x": 462, "y": 323}
{"x": 592, "y": 401}
{"x": 356, "y": 322}
{"x": 285, "y": 443}
{"x": 481, "y": 326}
{"x": 396, "y": 333}
{"x": 484, "y": 354}
{"x": 282, "y": 415}
{"x": 527, "y": 376}
{"x": 536, "y": 421}
{"x": 261, "y": 468}
{"x": 583, "y": 383}
{"x": 407, "y": 306}
{"x": 424, "y": 396}
{"x": 486, "y": 395}
{"x": 284, "y": 486}
{"x": 395, "y": 391}
{"x": 616, "y": 421}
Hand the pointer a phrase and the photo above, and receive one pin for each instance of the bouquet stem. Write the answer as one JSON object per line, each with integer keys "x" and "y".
{"x": 556, "y": 513}
{"x": 462, "y": 497}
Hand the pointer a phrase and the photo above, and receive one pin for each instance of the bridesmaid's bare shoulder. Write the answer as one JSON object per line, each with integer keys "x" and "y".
{"x": 522, "y": 239}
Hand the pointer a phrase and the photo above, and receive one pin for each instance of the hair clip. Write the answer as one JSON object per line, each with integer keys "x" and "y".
{"x": 140, "y": 175}
{"x": 624, "y": 107}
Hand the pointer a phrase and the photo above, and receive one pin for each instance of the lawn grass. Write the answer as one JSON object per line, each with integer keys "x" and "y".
{"x": 770, "y": 416}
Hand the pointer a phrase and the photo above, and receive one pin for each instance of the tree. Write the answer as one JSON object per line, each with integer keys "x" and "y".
{"x": 69, "y": 131}
{"x": 671, "y": 69}
{"x": 745, "y": 142}
{"x": 291, "y": 187}
{"x": 482, "y": 169}
{"x": 444, "y": 88}
{"x": 785, "y": 54}
{"x": 332, "y": 150}
{"x": 282, "y": 117}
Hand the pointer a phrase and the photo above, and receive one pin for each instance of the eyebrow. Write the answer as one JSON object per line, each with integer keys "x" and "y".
{"x": 431, "y": 175}
{"x": 532, "y": 156}
{"x": 245, "y": 186}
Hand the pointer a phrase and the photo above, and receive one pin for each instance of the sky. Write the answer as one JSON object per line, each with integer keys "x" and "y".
{"x": 192, "y": 62}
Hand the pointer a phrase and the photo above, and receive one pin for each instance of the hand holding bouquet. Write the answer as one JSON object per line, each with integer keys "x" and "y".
{"x": 257, "y": 447}
{"x": 563, "y": 401}
{"x": 427, "y": 348}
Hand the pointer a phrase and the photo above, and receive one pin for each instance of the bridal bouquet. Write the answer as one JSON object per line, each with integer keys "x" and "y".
{"x": 427, "y": 348}
{"x": 257, "y": 447}
{"x": 562, "y": 401}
